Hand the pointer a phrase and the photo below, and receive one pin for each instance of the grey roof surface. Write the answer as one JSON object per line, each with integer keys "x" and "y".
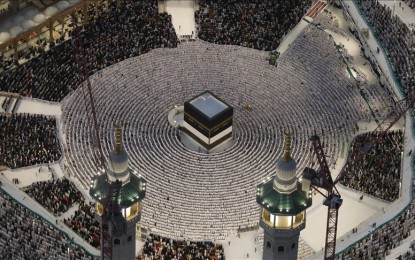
{"x": 208, "y": 104}
{"x": 281, "y": 203}
{"x": 130, "y": 193}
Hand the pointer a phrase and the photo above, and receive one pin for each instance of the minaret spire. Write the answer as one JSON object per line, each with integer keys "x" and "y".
{"x": 118, "y": 138}
{"x": 287, "y": 146}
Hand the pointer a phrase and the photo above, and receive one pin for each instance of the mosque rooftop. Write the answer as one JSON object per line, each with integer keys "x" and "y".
{"x": 208, "y": 104}
{"x": 282, "y": 203}
{"x": 131, "y": 191}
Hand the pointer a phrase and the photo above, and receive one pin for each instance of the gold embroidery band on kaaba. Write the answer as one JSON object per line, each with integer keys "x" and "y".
{"x": 207, "y": 146}
{"x": 203, "y": 126}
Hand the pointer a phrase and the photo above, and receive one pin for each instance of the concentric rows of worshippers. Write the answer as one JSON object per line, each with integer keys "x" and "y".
{"x": 134, "y": 28}
{"x": 379, "y": 173}
{"x": 158, "y": 247}
{"x": 154, "y": 138}
{"x": 28, "y": 140}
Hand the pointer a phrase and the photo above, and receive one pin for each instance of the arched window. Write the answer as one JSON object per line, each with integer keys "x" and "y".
{"x": 129, "y": 238}
{"x": 293, "y": 246}
{"x": 280, "y": 249}
{"x": 116, "y": 241}
{"x": 268, "y": 244}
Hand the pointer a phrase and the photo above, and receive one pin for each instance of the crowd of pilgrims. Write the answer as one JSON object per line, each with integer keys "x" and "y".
{"x": 24, "y": 235}
{"x": 259, "y": 24}
{"x": 158, "y": 247}
{"x": 27, "y": 140}
{"x": 134, "y": 28}
{"x": 114, "y": 33}
{"x": 84, "y": 223}
{"x": 35, "y": 48}
{"x": 378, "y": 173}
{"x": 378, "y": 244}
{"x": 397, "y": 38}
{"x": 410, "y": 3}
{"x": 57, "y": 196}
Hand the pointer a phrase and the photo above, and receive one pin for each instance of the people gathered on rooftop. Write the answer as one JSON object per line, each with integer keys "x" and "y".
{"x": 24, "y": 235}
{"x": 410, "y": 3}
{"x": 57, "y": 196}
{"x": 27, "y": 140}
{"x": 378, "y": 173}
{"x": 256, "y": 24}
{"x": 113, "y": 34}
{"x": 84, "y": 223}
{"x": 379, "y": 244}
{"x": 158, "y": 247}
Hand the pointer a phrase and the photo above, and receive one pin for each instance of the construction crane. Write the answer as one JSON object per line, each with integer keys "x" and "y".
{"x": 111, "y": 217}
{"x": 322, "y": 179}
{"x": 111, "y": 209}
{"x": 83, "y": 72}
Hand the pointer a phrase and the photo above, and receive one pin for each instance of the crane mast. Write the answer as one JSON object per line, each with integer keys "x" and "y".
{"x": 83, "y": 71}
{"x": 111, "y": 206}
{"x": 322, "y": 178}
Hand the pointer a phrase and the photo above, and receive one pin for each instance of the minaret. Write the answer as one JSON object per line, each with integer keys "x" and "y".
{"x": 118, "y": 240}
{"x": 283, "y": 200}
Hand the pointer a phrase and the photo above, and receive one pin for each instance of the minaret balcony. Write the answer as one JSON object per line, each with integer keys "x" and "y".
{"x": 282, "y": 221}
{"x": 130, "y": 213}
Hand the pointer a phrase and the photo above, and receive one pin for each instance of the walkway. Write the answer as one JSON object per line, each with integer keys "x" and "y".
{"x": 183, "y": 16}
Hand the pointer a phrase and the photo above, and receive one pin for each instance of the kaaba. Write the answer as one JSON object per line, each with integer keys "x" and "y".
{"x": 208, "y": 120}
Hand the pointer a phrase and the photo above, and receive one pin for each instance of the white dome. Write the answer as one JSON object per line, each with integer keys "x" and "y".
{"x": 50, "y": 11}
{"x": 6, "y": 25}
{"x": 285, "y": 179}
{"x": 28, "y": 24}
{"x": 62, "y": 5}
{"x": 286, "y": 169}
{"x": 39, "y": 18}
{"x": 118, "y": 162}
{"x": 15, "y": 30}
{"x": 29, "y": 13}
{"x": 4, "y": 36}
{"x": 18, "y": 19}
